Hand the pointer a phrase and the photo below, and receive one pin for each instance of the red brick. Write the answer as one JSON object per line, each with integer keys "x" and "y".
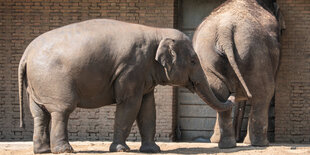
{"x": 292, "y": 102}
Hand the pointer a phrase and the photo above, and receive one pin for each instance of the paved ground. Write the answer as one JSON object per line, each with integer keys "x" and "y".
{"x": 88, "y": 148}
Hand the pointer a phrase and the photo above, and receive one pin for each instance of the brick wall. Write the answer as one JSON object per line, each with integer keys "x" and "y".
{"x": 292, "y": 107}
{"x": 23, "y": 20}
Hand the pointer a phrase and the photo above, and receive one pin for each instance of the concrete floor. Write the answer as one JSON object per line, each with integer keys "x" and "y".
{"x": 87, "y": 148}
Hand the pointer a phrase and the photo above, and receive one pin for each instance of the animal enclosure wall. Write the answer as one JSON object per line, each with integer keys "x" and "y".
{"x": 23, "y": 20}
{"x": 292, "y": 102}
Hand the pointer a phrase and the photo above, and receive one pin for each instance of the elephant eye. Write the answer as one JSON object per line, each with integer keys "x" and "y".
{"x": 193, "y": 62}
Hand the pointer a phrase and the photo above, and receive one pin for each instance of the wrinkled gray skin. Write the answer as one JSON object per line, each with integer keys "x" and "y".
{"x": 101, "y": 62}
{"x": 238, "y": 48}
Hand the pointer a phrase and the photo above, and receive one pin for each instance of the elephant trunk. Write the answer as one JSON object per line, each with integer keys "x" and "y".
{"x": 202, "y": 88}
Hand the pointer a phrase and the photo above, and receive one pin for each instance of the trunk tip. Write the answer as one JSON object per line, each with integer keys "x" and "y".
{"x": 249, "y": 95}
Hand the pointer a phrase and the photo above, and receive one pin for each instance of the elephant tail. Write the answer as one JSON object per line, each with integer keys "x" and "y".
{"x": 21, "y": 78}
{"x": 226, "y": 41}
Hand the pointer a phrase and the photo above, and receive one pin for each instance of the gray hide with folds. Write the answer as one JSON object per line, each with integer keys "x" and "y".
{"x": 101, "y": 62}
{"x": 238, "y": 48}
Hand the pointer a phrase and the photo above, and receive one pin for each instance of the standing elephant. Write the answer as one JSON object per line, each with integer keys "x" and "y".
{"x": 101, "y": 62}
{"x": 238, "y": 47}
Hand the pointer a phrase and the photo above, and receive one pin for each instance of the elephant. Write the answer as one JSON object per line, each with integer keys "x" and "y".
{"x": 239, "y": 50}
{"x": 100, "y": 62}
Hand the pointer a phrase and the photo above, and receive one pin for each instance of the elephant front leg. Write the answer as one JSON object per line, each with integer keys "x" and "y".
{"x": 126, "y": 113}
{"x": 147, "y": 124}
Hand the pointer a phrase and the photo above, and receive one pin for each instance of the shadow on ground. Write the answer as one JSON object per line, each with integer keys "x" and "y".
{"x": 91, "y": 152}
{"x": 189, "y": 150}
{"x": 199, "y": 150}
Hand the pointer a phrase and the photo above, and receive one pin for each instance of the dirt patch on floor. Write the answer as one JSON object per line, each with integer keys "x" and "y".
{"x": 87, "y": 148}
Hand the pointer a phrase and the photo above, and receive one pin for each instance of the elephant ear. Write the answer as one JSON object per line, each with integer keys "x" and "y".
{"x": 280, "y": 18}
{"x": 165, "y": 54}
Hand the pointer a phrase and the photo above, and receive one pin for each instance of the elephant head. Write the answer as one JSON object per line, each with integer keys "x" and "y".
{"x": 182, "y": 67}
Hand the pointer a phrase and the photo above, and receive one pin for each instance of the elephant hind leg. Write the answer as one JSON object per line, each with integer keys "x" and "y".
{"x": 59, "y": 133}
{"x": 41, "y": 134}
{"x": 223, "y": 129}
{"x": 258, "y": 123}
{"x": 227, "y": 137}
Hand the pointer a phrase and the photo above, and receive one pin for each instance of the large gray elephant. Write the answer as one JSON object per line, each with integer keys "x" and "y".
{"x": 101, "y": 62}
{"x": 238, "y": 47}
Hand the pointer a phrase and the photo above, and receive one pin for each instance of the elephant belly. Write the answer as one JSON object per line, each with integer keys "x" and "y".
{"x": 96, "y": 101}
{"x": 94, "y": 86}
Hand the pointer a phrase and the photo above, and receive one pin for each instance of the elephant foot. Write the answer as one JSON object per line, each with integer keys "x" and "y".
{"x": 149, "y": 148}
{"x": 215, "y": 138}
{"x": 115, "y": 147}
{"x": 41, "y": 148}
{"x": 227, "y": 142}
{"x": 62, "y": 148}
{"x": 260, "y": 142}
